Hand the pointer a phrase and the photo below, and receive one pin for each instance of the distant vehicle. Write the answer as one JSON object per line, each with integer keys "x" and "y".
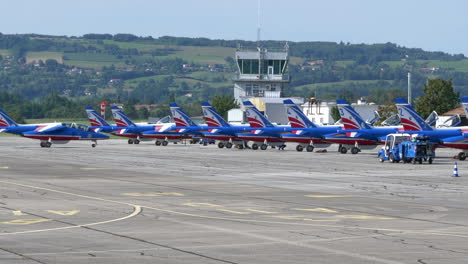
{"x": 403, "y": 147}
{"x": 221, "y": 130}
{"x": 304, "y": 132}
{"x": 357, "y": 134}
{"x": 52, "y": 133}
{"x": 413, "y": 123}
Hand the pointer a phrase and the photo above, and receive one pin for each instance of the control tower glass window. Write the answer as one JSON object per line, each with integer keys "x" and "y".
{"x": 248, "y": 66}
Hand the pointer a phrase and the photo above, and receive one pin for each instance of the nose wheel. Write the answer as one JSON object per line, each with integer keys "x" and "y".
{"x": 45, "y": 144}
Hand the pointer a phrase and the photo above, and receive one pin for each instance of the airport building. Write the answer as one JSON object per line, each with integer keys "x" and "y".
{"x": 262, "y": 76}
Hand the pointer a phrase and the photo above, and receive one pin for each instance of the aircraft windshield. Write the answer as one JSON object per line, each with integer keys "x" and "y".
{"x": 392, "y": 120}
{"x": 432, "y": 118}
{"x": 76, "y": 126}
{"x": 452, "y": 121}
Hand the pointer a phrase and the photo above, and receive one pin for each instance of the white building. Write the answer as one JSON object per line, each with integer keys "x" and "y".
{"x": 320, "y": 112}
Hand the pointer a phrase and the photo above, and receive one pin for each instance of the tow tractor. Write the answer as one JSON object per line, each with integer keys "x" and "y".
{"x": 403, "y": 147}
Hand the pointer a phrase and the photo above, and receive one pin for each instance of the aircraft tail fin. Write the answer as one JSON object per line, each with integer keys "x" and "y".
{"x": 6, "y": 120}
{"x": 410, "y": 119}
{"x": 350, "y": 118}
{"x": 181, "y": 119}
{"x": 120, "y": 118}
{"x": 212, "y": 117}
{"x": 255, "y": 117}
{"x": 94, "y": 118}
{"x": 296, "y": 117}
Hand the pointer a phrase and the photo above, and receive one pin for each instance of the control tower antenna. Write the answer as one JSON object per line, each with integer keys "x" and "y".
{"x": 258, "y": 24}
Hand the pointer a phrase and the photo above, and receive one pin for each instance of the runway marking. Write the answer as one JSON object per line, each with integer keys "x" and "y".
{"x": 154, "y": 194}
{"x": 365, "y": 217}
{"x": 136, "y": 210}
{"x": 64, "y": 212}
{"x": 320, "y": 220}
{"x": 232, "y": 211}
{"x": 323, "y": 210}
{"x": 25, "y": 221}
{"x": 202, "y": 205}
{"x": 260, "y": 211}
{"x": 4, "y": 167}
{"x": 326, "y": 196}
{"x": 18, "y": 213}
{"x": 94, "y": 168}
{"x": 293, "y": 217}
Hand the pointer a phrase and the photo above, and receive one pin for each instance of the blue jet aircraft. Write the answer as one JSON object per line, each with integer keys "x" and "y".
{"x": 262, "y": 131}
{"x": 356, "y": 133}
{"x": 220, "y": 130}
{"x": 413, "y": 123}
{"x": 307, "y": 134}
{"x": 53, "y": 133}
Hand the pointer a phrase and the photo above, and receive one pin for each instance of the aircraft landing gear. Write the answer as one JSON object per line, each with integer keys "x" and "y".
{"x": 229, "y": 145}
{"x": 164, "y": 143}
{"x": 220, "y": 145}
{"x": 299, "y": 148}
{"x": 263, "y": 146}
{"x": 355, "y": 150}
{"x": 310, "y": 148}
{"x": 343, "y": 150}
{"x": 254, "y": 146}
{"x": 136, "y": 141}
{"x": 130, "y": 141}
{"x": 461, "y": 156}
{"x": 45, "y": 144}
{"x": 157, "y": 143}
{"x": 94, "y": 144}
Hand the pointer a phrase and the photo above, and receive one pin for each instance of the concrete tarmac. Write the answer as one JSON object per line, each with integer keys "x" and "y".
{"x": 120, "y": 203}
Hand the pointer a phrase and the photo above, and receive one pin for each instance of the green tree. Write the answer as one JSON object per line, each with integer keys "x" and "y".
{"x": 224, "y": 103}
{"x": 438, "y": 96}
{"x": 335, "y": 113}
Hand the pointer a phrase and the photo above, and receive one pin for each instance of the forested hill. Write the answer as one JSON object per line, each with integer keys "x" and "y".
{"x": 130, "y": 69}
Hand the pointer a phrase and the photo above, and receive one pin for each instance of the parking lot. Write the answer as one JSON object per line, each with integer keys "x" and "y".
{"x": 120, "y": 203}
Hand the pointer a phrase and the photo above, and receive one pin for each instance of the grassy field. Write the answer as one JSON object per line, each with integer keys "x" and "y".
{"x": 44, "y": 55}
{"x": 5, "y": 52}
{"x": 343, "y": 83}
{"x": 461, "y": 66}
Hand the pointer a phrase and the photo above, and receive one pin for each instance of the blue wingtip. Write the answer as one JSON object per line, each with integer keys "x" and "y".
{"x": 400, "y": 100}
{"x": 247, "y": 103}
{"x": 465, "y": 99}
{"x": 173, "y": 105}
{"x": 288, "y": 101}
{"x": 114, "y": 107}
{"x": 341, "y": 102}
{"x": 89, "y": 108}
{"x": 205, "y": 104}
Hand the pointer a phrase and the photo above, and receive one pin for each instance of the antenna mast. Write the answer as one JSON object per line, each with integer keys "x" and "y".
{"x": 258, "y": 24}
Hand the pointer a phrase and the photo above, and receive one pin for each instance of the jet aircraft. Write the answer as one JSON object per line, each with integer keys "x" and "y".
{"x": 52, "y": 133}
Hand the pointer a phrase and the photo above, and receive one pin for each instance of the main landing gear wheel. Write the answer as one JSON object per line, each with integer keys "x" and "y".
{"x": 343, "y": 150}
{"x": 47, "y": 144}
{"x": 43, "y": 145}
{"x": 157, "y": 143}
{"x": 220, "y": 145}
{"x": 310, "y": 148}
{"x": 93, "y": 145}
{"x": 164, "y": 143}
{"x": 263, "y": 146}
{"x": 299, "y": 148}
{"x": 254, "y": 146}
{"x": 130, "y": 141}
{"x": 136, "y": 141}
{"x": 229, "y": 145}
{"x": 354, "y": 150}
{"x": 461, "y": 156}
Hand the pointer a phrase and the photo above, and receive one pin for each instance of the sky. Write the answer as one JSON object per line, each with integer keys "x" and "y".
{"x": 432, "y": 25}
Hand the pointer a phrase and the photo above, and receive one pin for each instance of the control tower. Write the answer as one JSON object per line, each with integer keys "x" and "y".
{"x": 261, "y": 73}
